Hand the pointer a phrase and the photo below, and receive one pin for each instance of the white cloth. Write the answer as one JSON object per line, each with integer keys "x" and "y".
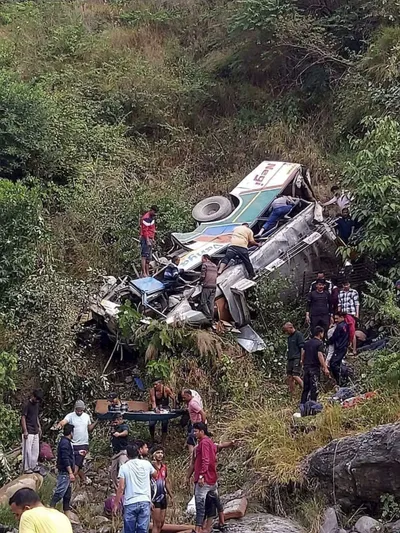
{"x": 197, "y": 397}
{"x": 331, "y": 348}
{"x": 136, "y": 474}
{"x": 30, "y": 452}
{"x": 81, "y": 428}
{"x": 343, "y": 200}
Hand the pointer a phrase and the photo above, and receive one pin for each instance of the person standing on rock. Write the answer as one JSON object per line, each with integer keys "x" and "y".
{"x": 208, "y": 282}
{"x": 119, "y": 443}
{"x": 82, "y": 427}
{"x": 295, "y": 347}
{"x": 65, "y": 467}
{"x": 31, "y": 432}
{"x": 313, "y": 360}
{"x": 34, "y": 517}
{"x": 135, "y": 486}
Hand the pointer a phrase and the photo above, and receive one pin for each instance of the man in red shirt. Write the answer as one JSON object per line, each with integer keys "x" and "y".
{"x": 205, "y": 471}
{"x": 147, "y": 235}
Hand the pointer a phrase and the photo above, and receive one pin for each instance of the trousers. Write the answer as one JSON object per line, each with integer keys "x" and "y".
{"x": 137, "y": 517}
{"x": 207, "y": 299}
{"x": 276, "y": 214}
{"x": 241, "y": 253}
{"x": 335, "y": 364}
{"x": 30, "y": 452}
{"x": 200, "y": 495}
{"x": 311, "y": 378}
{"x": 63, "y": 491}
{"x": 117, "y": 461}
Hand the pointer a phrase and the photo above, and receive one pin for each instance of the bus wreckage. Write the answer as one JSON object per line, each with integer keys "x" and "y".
{"x": 301, "y": 241}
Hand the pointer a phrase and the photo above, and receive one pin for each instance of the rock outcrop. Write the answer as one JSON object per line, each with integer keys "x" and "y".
{"x": 29, "y": 481}
{"x": 358, "y": 469}
{"x": 263, "y": 523}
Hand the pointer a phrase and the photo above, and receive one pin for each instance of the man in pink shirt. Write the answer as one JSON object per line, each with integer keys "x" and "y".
{"x": 196, "y": 414}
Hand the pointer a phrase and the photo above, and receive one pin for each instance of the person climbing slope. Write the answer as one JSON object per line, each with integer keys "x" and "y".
{"x": 162, "y": 489}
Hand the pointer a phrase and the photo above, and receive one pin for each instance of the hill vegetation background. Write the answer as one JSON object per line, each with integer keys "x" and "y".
{"x": 107, "y": 107}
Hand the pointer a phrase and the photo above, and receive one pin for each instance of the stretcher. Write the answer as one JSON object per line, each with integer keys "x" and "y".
{"x": 137, "y": 411}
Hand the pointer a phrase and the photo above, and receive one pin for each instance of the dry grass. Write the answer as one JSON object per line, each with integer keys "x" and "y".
{"x": 276, "y": 446}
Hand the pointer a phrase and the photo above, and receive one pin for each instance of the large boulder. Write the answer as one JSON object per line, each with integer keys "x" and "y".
{"x": 366, "y": 524}
{"x": 26, "y": 481}
{"x": 329, "y": 522}
{"x": 358, "y": 469}
{"x": 263, "y": 523}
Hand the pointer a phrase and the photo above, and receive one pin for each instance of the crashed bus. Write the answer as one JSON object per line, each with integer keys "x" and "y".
{"x": 299, "y": 241}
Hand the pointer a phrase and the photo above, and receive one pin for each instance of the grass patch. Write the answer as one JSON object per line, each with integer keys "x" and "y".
{"x": 6, "y": 516}
{"x": 275, "y": 444}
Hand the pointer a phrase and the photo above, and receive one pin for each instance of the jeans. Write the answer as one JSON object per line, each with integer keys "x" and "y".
{"x": 63, "y": 491}
{"x": 319, "y": 320}
{"x": 310, "y": 384}
{"x": 137, "y": 517}
{"x": 276, "y": 214}
{"x": 207, "y": 299}
{"x": 200, "y": 495}
{"x": 30, "y": 452}
{"x": 241, "y": 253}
{"x": 152, "y": 427}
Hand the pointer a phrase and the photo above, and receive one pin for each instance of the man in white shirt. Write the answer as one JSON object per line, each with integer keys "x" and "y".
{"x": 80, "y": 442}
{"x": 341, "y": 198}
{"x": 135, "y": 485}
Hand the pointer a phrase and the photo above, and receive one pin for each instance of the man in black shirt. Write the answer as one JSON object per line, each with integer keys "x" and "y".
{"x": 313, "y": 360}
{"x": 340, "y": 341}
{"x": 319, "y": 307}
{"x": 295, "y": 345}
{"x": 31, "y": 432}
{"x": 119, "y": 443}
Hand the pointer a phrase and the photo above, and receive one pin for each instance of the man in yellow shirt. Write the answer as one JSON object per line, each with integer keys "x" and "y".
{"x": 242, "y": 236}
{"x": 34, "y": 517}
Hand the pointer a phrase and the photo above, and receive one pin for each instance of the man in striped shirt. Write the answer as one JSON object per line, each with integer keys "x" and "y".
{"x": 349, "y": 303}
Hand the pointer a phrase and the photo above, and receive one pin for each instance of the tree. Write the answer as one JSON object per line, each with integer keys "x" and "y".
{"x": 373, "y": 176}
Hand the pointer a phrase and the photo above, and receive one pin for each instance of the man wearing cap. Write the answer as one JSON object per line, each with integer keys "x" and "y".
{"x": 31, "y": 432}
{"x": 80, "y": 442}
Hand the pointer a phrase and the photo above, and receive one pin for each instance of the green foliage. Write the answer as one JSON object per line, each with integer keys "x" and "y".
{"x": 10, "y": 428}
{"x": 385, "y": 371}
{"x": 262, "y": 15}
{"x": 8, "y": 371}
{"x": 390, "y": 508}
{"x": 272, "y": 313}
{"x": 381, "y": 300}
{"x": 22, "y": 231}
{"x": 128, "y": 320}
{"x": 373, "y": 176}
{"x": 158, "y": 369}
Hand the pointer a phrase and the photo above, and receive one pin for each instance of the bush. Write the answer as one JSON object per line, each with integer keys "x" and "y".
{"x": 22, "y": 229}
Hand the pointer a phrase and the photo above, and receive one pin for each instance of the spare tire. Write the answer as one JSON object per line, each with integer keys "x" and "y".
{"x": 213, "y": 208}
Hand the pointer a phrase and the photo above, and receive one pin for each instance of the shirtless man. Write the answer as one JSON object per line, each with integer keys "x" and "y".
{"x": 160, "y": 396}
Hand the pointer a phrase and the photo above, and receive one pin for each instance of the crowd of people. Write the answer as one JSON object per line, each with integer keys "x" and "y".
{"x": 142, "y": 486}
{"x": 332, "y": 315}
